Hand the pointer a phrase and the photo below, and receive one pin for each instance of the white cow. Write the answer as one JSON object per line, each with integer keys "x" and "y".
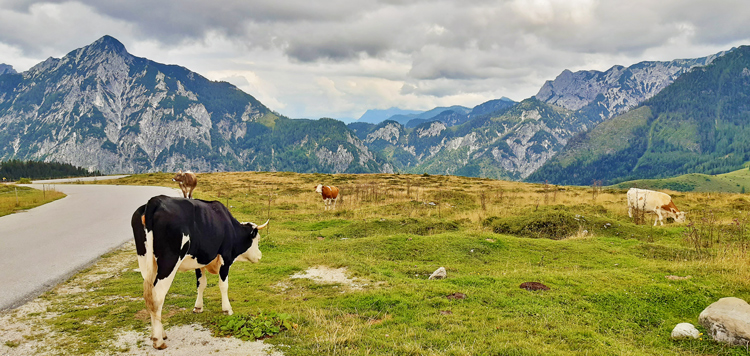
{"x": 650, "y": 201}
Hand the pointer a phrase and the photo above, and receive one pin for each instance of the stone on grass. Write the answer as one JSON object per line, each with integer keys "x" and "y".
{"x": 439, "y": 274}
{"x": 685, "y": 331}
{"x": 728, "y": 320}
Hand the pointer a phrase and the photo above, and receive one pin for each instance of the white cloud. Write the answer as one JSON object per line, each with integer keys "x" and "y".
{"x": 339, "y": 58}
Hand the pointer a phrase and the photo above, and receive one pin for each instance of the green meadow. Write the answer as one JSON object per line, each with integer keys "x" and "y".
{"x": 732, "y": 182}
{"x": 607, "y": 276}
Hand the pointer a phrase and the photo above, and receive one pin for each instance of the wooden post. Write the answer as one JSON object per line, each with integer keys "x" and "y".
{"x": 16, "y": 190}
{"x": 268, "y": 231}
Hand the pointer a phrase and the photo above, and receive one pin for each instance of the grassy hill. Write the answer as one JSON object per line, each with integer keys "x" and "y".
{"x": 733, "y": 182}
{"x": 607, "y": 276}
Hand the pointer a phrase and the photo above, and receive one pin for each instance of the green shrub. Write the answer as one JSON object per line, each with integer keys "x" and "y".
{"x": 24, "y": 181}
{"x": 251, "y": 327}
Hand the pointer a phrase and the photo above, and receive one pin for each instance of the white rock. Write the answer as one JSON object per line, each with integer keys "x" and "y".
{"x": 685, "y": 331}
{"x": 439, "y": 274}
{"x": 728, "y": 320}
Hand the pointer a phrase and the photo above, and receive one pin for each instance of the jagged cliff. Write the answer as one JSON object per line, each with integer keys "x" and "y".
{"x": 102, "y": 108}
{"x": 605, "y": 94}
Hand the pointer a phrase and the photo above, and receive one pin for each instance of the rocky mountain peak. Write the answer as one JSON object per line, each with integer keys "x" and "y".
{"x": 6, "y": 69}
{"x": 107, "y": 44}
{"x": 617, "y": 89}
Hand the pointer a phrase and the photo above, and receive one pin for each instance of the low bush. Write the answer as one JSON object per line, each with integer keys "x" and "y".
{"x": 554, "y": 223}
{"x": 252, "y": 327}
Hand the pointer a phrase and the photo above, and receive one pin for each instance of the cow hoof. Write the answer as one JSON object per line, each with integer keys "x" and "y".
{"x": 228, "y": 312}
{"x": 160, "y": 344}
{"x": 197, "y": 310}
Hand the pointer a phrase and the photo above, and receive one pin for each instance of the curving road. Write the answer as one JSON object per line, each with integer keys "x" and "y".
{"x": 43, "y": 246}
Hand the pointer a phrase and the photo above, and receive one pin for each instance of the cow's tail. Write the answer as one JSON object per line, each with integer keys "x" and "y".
{"x": 146, "y": 259}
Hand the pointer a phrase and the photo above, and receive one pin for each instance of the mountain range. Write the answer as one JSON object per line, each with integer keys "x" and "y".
{"x": 102, "y": 108}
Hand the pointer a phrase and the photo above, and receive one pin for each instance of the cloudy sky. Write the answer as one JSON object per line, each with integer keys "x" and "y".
{"x": 338, "y": 58}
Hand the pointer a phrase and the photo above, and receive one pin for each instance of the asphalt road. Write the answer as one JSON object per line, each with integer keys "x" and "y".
{"x": 44, "y": 246}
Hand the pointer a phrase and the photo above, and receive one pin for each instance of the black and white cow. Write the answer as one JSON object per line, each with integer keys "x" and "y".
{"x": 177, "y": 234}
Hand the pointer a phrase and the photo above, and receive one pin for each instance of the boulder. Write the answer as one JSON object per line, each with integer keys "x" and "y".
{"x": 439, "y": 273}
{"x": 728, "y": 320}
{"x": 685, "y": 331}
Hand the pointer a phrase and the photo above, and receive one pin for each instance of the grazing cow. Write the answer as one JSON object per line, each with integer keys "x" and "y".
{"x": 178, "y": 234}
{"x": 658, "y": 203}
{"x": 329, "y": 193}
{"x": 187, "y": 181}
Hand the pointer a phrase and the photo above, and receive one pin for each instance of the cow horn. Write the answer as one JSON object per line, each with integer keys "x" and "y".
{"x": 264, "y": 225}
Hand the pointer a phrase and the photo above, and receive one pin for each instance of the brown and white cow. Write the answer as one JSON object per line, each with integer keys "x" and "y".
{"x": 177, "y": 234}
{"x": 329, "y": 193}
{"x": 650, "y": 201}
{"x": 187, "y": 182}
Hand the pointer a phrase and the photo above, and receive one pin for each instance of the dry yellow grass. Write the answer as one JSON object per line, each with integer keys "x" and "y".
{"x": 14, "y": 198}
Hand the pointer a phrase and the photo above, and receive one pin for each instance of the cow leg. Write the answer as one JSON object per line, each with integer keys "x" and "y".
{"x": 630, "y": 211}
{"x": 224, "y": 288}
{"x": 658, "y": 218}
{"x": 202, "y": 282}
{"x": 158, "y": 294}
{"x": 190, "y": 193}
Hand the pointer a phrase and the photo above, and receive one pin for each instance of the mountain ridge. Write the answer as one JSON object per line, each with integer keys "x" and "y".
{"x": 617, "y": 89}
{"x": 102, "y": 108}
{"x": 695, "y": 125}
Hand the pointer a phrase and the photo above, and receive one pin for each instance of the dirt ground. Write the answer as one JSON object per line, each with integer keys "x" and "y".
{"x": 24, "y": 333}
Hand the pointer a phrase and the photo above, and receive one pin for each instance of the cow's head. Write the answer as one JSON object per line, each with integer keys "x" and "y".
{"x": 178, "y": 177}
{"x": 319, "y": 188}
{"x": 253, "y": 253}
{"x": 680, "y": 217}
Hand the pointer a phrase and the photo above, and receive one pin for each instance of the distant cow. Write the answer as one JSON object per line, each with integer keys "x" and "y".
{"x": 177, "y": 234}
{"x": 187, "y": 181}
{"x": 330, "y": 194}
{"x": 658, "y": 203}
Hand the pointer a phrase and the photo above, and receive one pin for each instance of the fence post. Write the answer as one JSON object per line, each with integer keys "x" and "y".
{"x": 16, "y": 190}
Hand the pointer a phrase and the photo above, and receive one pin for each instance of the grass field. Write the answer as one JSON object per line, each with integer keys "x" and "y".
{"x": 15, "y": 198}
{"x": 732, "y": 182}
{"x": 607, "y": 276}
